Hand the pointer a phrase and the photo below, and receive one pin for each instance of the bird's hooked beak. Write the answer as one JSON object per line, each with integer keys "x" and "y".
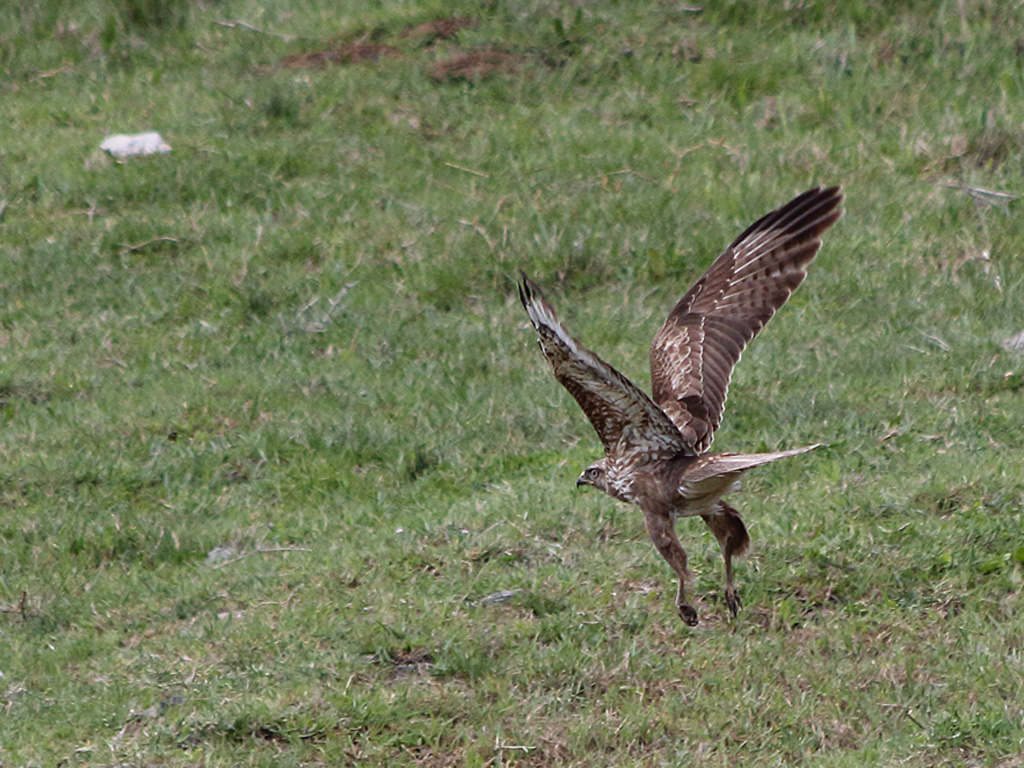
{"x": 581, "y": 482}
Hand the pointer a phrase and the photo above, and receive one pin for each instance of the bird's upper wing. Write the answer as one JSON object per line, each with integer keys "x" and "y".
{"x": 624, "y": 417}
{"x": 693, "y": 354}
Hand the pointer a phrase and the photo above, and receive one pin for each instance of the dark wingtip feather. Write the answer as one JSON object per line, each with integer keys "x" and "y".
{"x": 816, "y": 199}
{"x": 831, "y": 201}
{"x": 528, "y": 290}
{"x": 835, "y": 196}
{"x": 524, "y": 289}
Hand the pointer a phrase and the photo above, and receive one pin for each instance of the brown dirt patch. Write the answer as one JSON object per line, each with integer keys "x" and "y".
{"x": 476, "y": 66}
{"x": 346, "y": 54}
{"x": 441, "y": 29}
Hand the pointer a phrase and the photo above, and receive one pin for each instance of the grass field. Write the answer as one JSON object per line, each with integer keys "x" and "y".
{"x": 284, "y": 479}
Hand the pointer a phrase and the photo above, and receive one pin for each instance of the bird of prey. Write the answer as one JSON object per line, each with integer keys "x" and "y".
{"x": 656, "y": 448}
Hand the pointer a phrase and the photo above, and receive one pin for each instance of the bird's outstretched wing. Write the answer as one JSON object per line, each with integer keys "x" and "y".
{"x": 625, "y": 418}
{"x": 693, "y": 354}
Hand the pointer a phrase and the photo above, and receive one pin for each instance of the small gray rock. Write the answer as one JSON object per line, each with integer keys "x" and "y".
{"x": 1015, "y": 343}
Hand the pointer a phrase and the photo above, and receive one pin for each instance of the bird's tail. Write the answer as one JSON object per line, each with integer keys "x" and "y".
{"x": 723, "y": 464}
{"x": 713, "y": 475}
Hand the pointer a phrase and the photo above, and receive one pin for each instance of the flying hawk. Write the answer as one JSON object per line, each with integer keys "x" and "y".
{"x": 656, "y": 448}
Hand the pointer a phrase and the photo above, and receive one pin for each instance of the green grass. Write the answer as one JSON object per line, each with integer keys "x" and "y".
{"x": 284, "y": 479}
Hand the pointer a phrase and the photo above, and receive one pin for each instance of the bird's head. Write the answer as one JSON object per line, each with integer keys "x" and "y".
{"x": 596, "y": 475}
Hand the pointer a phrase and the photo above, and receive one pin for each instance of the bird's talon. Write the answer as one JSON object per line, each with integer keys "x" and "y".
{"x": 688, "y": 615}
{"x": 733, "y": 601}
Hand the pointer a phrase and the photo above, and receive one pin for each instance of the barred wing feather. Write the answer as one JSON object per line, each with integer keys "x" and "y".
{"x": 626, "y": 420}
{"x": 694, "y": 353}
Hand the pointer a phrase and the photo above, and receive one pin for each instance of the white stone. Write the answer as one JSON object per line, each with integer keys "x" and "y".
{"x": 135, "y": 144}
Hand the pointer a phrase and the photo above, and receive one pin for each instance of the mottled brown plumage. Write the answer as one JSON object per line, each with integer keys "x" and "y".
{"x": 656, "y": 449}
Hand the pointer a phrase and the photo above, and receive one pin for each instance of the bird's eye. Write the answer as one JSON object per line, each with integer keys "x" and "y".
{"x": 593, "y": 472}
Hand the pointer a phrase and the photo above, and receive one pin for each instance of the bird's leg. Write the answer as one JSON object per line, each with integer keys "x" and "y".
{"x": 733, "y": 539}
{"x": 732, "y": 595}
{"x": 661, "y": 527}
